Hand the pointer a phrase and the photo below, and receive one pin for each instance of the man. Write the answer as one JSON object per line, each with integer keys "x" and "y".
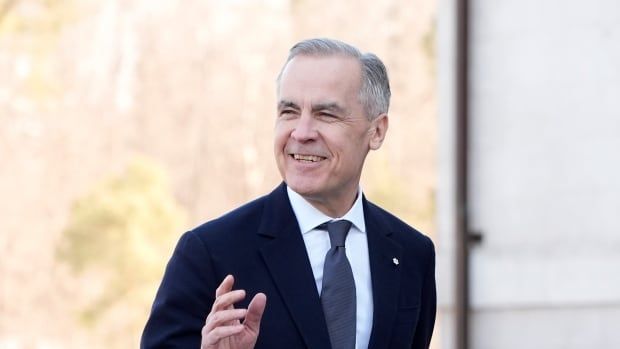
{"x": 312, "y": 264}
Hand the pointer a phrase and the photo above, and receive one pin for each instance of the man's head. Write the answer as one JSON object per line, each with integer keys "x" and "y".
{"x": 374, "y": 93}
{"x": 332, "y": 109}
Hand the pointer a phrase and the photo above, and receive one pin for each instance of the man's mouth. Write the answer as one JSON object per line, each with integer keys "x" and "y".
{"x": 307, "y": 158}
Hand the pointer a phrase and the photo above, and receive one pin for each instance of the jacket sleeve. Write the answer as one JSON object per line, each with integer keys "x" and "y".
{"x": 184, "y": 298}
{"x": 428, "y": 308}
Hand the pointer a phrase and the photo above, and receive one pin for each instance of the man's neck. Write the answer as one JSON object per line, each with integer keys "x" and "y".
{"x": 336, "y": 207}
{"x": 309, "y": 217}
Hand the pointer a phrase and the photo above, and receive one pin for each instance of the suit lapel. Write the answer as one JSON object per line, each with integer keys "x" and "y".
{"x": 287, "y": 261}
{"x": 385, "y": 274}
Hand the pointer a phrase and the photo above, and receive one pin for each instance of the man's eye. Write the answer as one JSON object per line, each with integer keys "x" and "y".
{"x": 328, "y": 116}
{"x": 287, "y": 112}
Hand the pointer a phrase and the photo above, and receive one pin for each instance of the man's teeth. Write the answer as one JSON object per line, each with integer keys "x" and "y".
{"x": 312, "y": 158}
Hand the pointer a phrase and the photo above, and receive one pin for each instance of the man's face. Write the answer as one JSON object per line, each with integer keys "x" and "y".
{"x": 322, "y": 133}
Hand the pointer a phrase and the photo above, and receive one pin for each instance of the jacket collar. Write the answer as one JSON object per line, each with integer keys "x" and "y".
{"x": 287, "y": 261}
{"x": 384, "y": 254}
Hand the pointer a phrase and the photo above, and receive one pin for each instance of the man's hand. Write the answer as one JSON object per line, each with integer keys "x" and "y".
{"x": 223, "y": 328}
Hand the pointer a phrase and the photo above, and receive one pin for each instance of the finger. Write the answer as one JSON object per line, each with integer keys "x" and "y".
{"x": 255, "y": 312}
{"x": 225, "y": 286}
{"x": 214, "y": 336}
{"x": 227, "y": 300}
{"x": 222, "y": 318}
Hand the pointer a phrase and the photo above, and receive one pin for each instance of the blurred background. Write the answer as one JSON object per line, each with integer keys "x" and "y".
{"x": 123, "y": 123}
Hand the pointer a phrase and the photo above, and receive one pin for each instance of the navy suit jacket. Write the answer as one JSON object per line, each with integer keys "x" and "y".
{"x": 261, "y": 245}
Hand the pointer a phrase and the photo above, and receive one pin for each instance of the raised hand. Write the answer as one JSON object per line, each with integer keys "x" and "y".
{"x": 223, "y": 328}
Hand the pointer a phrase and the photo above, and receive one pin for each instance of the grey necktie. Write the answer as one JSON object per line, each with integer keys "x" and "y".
{"x": 338, "y": 291}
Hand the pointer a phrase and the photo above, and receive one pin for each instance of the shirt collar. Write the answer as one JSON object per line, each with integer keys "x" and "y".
{"x": 308, "y": 217}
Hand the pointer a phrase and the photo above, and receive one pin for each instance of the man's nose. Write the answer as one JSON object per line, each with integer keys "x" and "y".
{"x": 305, "y": 128}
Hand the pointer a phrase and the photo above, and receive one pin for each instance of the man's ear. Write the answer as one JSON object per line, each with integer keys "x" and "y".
{"x": 378, "y": 129}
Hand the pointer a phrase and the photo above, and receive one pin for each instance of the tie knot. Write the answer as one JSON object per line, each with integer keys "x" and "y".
{"x": 338, "y": 232}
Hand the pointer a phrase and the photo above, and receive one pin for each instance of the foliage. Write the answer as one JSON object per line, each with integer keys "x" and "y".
{"x": 122, "y": 232}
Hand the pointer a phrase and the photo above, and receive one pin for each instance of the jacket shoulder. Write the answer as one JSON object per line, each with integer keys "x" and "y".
{"x": 237, "y": 221}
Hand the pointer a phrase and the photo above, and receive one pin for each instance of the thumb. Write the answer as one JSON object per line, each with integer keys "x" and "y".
{"x": 255, "y": 312}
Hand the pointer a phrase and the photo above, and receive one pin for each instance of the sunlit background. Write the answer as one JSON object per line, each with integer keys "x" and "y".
{"x": 123, "y": 123}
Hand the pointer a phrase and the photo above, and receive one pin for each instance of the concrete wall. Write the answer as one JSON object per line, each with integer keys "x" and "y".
{"x": 544, "y": 173}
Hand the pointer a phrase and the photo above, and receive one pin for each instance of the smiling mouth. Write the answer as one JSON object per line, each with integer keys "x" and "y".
{"x": 307, "y": 158}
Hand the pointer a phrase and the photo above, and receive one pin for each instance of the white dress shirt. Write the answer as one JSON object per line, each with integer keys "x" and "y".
{"x": 356, "y": 247}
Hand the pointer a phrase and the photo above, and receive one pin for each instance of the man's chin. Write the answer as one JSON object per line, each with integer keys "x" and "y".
{"x": 303, "y": 188}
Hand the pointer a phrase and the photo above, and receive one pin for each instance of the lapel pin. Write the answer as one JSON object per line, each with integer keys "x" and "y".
{"x": 395, "y": 261}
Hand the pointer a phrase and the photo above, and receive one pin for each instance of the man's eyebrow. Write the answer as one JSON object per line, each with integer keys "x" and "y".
{"x": 330, "y": 106}
{"x": 287, "y": 104}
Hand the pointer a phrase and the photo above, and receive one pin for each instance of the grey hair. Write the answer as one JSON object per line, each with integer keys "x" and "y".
{"x": 375, "y": 90}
